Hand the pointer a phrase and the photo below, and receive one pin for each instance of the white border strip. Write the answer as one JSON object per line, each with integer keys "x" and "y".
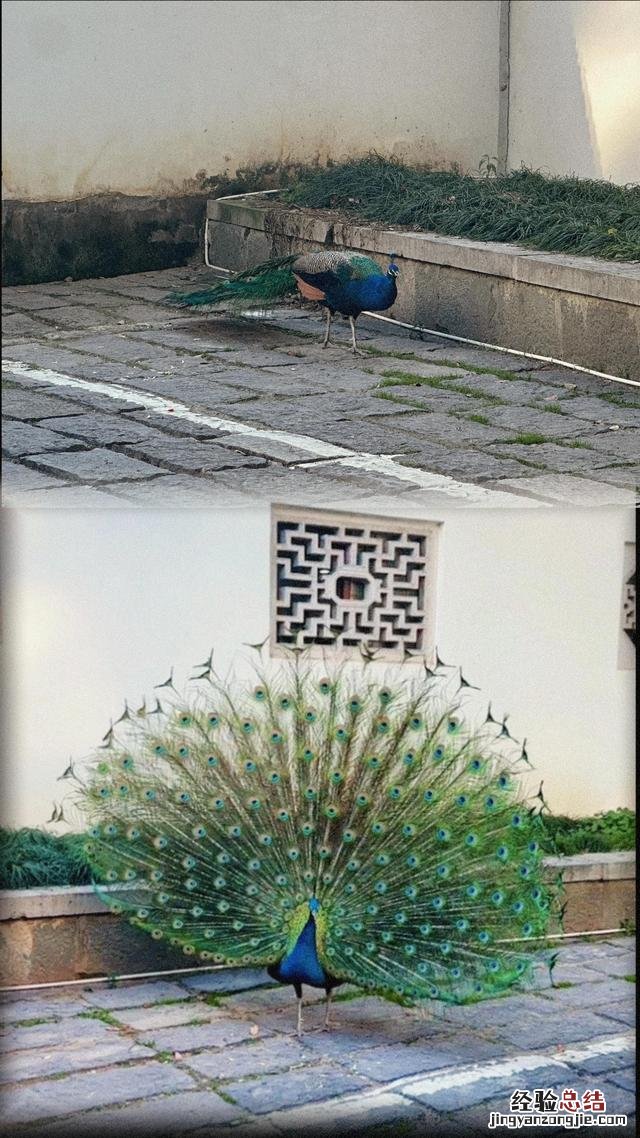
{"x": 385, "y": 465}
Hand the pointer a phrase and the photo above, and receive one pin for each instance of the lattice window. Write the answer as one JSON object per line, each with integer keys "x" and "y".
{"x": 626, "y": 654}
{"x": 350, "y": 582}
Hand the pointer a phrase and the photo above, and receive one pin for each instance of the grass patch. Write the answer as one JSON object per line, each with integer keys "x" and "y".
{"x": 393, "y": 378}
{"x": 564, "y": 984}
{"x": 31, "y": 859}
{"x": 577, "y": 444}
{"x": 100, "y": 1013}
{"x": 601, "y": 833}
{"x": 528, "y": 439}
{"x": 617, "y": 400}
{"x": 562, "y": 214}
{"x": 482, "y": 419}
{"x": 553, "y": 408}
{"x": 631, "y": 979}
{"x": 213, "y": 1001}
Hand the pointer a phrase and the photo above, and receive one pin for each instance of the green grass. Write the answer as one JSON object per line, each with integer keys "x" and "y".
{"x": 32, "y": 858}
{"x": 99, "y": 1013}
{"x": 563, "y": 984}
{"x": 631, "y": 979}
{"x": 562, "y": 214}
{"x": 395, "y": 378}
{"x": 554, "y": 408}
{"x": 600, "y": 833}
{"x": 482, "y": 419}
{"x": 528, "y": 439}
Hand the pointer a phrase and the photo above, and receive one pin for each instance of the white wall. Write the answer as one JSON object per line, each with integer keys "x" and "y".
{"x": 575, "y": 87}
{"x": 100, "y": 605}
{"x": 137, "y": 96}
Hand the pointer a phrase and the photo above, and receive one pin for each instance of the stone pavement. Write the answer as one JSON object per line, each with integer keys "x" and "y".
{"x": 216, "y": 1054}
{"x": 112, "y": 398}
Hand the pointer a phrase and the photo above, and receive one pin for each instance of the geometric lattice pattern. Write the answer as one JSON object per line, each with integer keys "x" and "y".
{"x": 353, "y": 583}
{"x": 628, "y": 615}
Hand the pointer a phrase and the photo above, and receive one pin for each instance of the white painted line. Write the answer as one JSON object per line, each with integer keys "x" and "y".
{"x": 395, "y": 1094}
{"x": 378, "y": 464}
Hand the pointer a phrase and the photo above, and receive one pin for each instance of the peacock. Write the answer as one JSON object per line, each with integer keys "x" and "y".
{"x": 332, "y": 827}
{"x": 348, "y": 283}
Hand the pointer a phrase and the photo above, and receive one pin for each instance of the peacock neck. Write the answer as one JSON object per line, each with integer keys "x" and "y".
{"x": 302, "y": 963}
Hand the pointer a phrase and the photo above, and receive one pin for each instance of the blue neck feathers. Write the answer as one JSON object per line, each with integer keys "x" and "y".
{"x": 302, "y": 965}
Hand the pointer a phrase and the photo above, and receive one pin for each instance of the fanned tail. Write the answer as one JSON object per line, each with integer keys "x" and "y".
{"x": 269, "y": 281}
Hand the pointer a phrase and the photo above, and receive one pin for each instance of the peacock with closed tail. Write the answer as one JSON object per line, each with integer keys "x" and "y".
{"x": 330, "y": 827}
{"x": 348, "y": 283}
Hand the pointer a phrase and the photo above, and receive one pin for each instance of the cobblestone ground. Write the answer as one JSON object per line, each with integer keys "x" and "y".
{"x": 135, "y": 420}
{"x": 216, "y": 1054}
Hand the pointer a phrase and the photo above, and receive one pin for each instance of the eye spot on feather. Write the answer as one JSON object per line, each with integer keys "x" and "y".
{"x": 308, "y": 755}
{"x": 260, "y": 694}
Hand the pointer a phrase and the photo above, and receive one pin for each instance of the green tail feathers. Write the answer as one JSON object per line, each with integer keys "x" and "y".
{"x": 218, "y": 816}
{"x": 269, "y": 281}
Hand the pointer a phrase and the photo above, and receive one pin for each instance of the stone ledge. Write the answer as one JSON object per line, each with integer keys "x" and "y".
{"x": 585, "y": 276}
{"x": 79, "y": 900}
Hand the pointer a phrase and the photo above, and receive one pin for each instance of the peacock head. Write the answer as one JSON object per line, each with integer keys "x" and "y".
{"x": 314, "y": 906}
{"x": 393, "y": 269}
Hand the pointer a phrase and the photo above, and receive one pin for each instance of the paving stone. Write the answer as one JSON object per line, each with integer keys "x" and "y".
{"x": 97, "y": 465}
{"x": 79, "y": 1056}
{"x": 492, "y": 1013}
{"x": 624, "y": 477}
{"x": 619, "y": 1100}
{"x": 604, "y": 1064}
{"x": 512, "y": 391}
{"x": 478, "y": 357}
{"x": 580, "y": 380}
{"x": 69, "y": 1029}
{"x": 206, "y": 392}
{"x": 16, "y": 479}
{"x": 386, "y": 1115}
{"x": 175, "y": 426}
{"x": 537, "y": 1032}
{"x": 65, "y": 498}
{"x": 72, "y": 316}
{"x": 457, "y": 1097}
{"x": 455, "y": 429}
{"x": 77, "y": 1092}
{"x": 191, "y": 339}
{"x": 27, "y": 297}
{"x": 387, "y": 437}
{"x": 466, "y": 465}
{"x": 626, "y": 1078}
{"x": 197, "y": 1037}
{"x": 397, "y": 1061}
{"x": 21, "y": 325}
{"x": 81, "y": 365}
{"x": 36, "y": 1005}
{"x": 607, "y": 992}
{"x": 619, "y": 445}
{"x": 604, "y": 960}
{"x": 229, "y": 980}
{"x": 267, "y": 448}
{"x": 166, "y": 1015}
{"x": 118, "y": 346}
{"x": 173, "y": 491}
{"x": 135, "y": 995}
{"x": 191, "y": 455}
{"x": 165, "y": 1115}
{"x": 102, "y": 428}
{"x": 561, "y": 458}
{"x": 36, "y": 405}
{"x": 537, "y": 421}
{"x": 623, "y": 1012}
{"x": 294, "y": 1088}
{"x": 432, "y": 398}
{"x": 19, "y": 438}
{"x": 601, "y": 411}
{"x": 566, "y": 488}
{"x": 256, "y": 1058}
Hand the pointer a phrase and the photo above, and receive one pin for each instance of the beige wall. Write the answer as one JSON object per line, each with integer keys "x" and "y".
{"x": 138, "y": 96}
{"x": 100, "y": 608}
{"x": 575, "y": 87}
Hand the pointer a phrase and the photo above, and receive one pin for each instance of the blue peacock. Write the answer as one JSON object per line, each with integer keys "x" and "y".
{"x": 348, "y": 283}
{"x": 332, "y": 828}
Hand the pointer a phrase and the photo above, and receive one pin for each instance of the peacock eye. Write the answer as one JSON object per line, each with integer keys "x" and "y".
{"x": 285, "y": 703}
{"x": 310, "y": 716}
{"x": 325, "y": 687}
{"x": 260, "y": 694}
{"x": 213, "y": 720}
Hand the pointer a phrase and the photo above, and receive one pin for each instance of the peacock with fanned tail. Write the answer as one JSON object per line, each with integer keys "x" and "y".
{"x": 348, "y": 283}
{"x": 331, "y": 828}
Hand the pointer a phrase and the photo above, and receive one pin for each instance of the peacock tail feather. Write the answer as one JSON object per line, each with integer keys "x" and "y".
{"x": 221, "y": 814}
{"x": 269, "y": 281}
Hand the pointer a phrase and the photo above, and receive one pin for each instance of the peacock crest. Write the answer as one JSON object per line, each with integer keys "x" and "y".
{"x": 376, "y": 802}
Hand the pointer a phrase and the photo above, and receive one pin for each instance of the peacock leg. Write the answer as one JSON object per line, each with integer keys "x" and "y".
{"x": 326, "y": 341}
{"x": 297, "y": 987}
{"x": 327, "y": 1021}
{"x": 355, "y": 349}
